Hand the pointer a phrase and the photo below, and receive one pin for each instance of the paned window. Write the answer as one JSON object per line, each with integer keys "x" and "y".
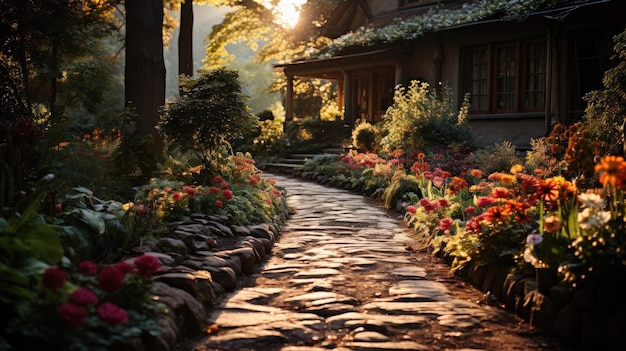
{"x": 506, "y": 77}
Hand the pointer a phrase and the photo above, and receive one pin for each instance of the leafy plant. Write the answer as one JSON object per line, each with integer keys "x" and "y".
{"x": 366, "y": 137}
{"x": 497, "y": 157}
{"x": 421, "y": 118}
{"x": 210, "y": 113}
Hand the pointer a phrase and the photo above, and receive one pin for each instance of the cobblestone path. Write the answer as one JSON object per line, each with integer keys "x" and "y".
{"x": 339, "y": 278}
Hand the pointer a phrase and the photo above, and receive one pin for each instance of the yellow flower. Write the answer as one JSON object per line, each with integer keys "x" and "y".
{"x": 517, "y": 168}
{"x": 612, "y": 170}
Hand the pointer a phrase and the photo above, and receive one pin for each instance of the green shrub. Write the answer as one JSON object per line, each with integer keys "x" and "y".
{"x": 366, "y": 137}
{"x": 399, "y": 187}
{"x": 421, "y": 118}
{"x": 210, "y": 113}
{"x": 497, "y": 157}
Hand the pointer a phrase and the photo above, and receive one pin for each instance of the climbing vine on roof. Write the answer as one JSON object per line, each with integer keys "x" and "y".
{"x": 438, "y": 18}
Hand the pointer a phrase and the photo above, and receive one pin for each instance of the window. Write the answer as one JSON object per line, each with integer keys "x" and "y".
{"x": 506, "y": 77}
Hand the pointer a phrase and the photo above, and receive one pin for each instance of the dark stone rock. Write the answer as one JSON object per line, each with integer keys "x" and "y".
{"x": 172, "y": 245}
{"x": 593, "y": 328}
{"x": 247, "y": 257}
{"x": 616, "y": 328}
{"x": 257, "y": 245}
{"x": 240, "y": 230}
{"x": 179, "y": 280}
{"x": 583, "y": 299}
{"x": 165, "y": 340}
{"x": 497, "y": 287}
{"x": 490, "y": 276}
{"x": 190, "y": 314}
{"x": 262, "y": 231}
{"x": 477, "y": 274}
{"x": 509, "y": 290}
{"x": 224, "y": 229}
{"x": 567, "y": 326}
{"x": 234, "y": 262}
{"x": 224, "y": 276}
{"x": 543, "y": 312}
{"x": 561, "y": 294}
{"x": 199, "y": 245}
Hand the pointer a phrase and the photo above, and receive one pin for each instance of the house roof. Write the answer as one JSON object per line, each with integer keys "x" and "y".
{"x": 412, "y": 23}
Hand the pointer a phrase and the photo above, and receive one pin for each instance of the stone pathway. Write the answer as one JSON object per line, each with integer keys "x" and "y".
{"x": 339, "y": 278}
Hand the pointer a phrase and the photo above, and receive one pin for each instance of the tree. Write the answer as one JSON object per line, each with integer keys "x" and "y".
{"x": 605, "y": 115}
{"x": 145, "y": 71}
{"x": 185, "y": 39}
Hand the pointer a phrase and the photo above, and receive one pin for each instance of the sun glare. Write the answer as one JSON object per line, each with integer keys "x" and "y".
{"x": 286, "y": 12}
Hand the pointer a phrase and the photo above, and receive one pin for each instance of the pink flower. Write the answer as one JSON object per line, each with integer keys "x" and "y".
{"x": 446, "y": 224}
{"x": 88, "y": 268}
{"x": 84, "y": 297}
{"x": 438, "y": 181}
{"x": 111, "y": 279}
{"x": 191, "y": 191}
{"x": 411, "y": 209}
{"x": 141, "y": 209}
{"x": 147, "y": 265}
{"x": 71, "y": 315}
{"x": 54, "y": 278}
{"x": 534, "y": 239}
{"x": 112, "y": 314}
{"x": 227, "y": 194}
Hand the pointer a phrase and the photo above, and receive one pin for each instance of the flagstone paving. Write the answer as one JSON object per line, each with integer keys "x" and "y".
{"x": 340, "y": 278}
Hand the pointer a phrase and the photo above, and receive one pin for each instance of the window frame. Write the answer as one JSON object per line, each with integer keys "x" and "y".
{"x": 520, "y": 75}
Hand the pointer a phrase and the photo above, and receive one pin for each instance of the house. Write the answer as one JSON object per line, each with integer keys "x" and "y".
{"x": 525, "y": 64}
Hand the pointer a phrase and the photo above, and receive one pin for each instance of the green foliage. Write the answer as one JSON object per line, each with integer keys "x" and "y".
{"x": 313, "y": 135}
{"x": 28, "y": 244}
{"x": 365, "y": 137}
{"x": 399, "y": 187}
{"x": 421, "y": 118}
{"x": 497, "y": 157}
{"x": 606, "y": 108}
{"x": 210, "y": 113}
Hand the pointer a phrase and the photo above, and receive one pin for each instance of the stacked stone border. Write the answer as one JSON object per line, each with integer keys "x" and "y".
{"x": 590, "y": 318}
{"x": 202, "y": 259}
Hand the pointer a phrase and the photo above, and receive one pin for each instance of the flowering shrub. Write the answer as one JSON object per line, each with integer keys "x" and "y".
{"x": 91, "y": 308}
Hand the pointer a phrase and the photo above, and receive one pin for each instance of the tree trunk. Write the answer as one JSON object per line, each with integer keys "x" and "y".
{"x": 145, "y": 68}
{"x": 185, "y": 37}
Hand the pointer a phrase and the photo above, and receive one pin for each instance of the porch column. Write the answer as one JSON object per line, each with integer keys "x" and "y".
{"x": 399, "y": 73}
{"x": 289, "y": 98}
{"x": 340, "y": 95}
{"x": 347, "y": 98}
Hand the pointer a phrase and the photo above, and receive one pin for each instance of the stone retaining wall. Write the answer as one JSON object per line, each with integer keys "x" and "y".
{"x": 201, "y": 259}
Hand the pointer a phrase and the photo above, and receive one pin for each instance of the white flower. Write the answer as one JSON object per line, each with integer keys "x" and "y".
{"x": 534, "y": 239}
{"x": 591, "y": 200}
{"x": 592, "y": 218}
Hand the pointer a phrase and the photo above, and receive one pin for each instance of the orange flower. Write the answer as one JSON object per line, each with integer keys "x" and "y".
{"x": 497, "y": 214}
{"x": 552, "y": 224}
{"x": 476, "y": 173}
{"x": 517, "y": 168}
{"x": 547, "y": 190}
{"x": 177, "y": 196}
{"x": 612, "y": 170}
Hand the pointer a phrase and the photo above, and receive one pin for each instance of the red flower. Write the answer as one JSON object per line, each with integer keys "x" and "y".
{"x": 446, "y": 224}
{"x": 191, "y": 191}
{"x": 112, "y": 314}
{"x": 276, "y": 193}
{"x": 224, "y": 185}
{"x": 214, "y": 190}
{"x": 227, "y": 194}
{"x": 272, "y": 181}
{"x": 125, "y": 267}
{"x": 253, "y": 181}
{"x": 499, "y": 193}
{"x": 147, "y": 265}
{"x": 88, "y": 268}
{"x": 71, "y": 315}
{"x": 219, "y": 203}
{"x": 54, "y": 278}
{"x": 218, "y": 180}
{"x": 470, "y": 211}
{"x": 443, "y": 202}
{"x": 411, "y": 209}
{"x": 84, "y": 297}
{"x": 177, "y": 196}
{"x": 111, "y": 278}
{"x": 484, "y": 201}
